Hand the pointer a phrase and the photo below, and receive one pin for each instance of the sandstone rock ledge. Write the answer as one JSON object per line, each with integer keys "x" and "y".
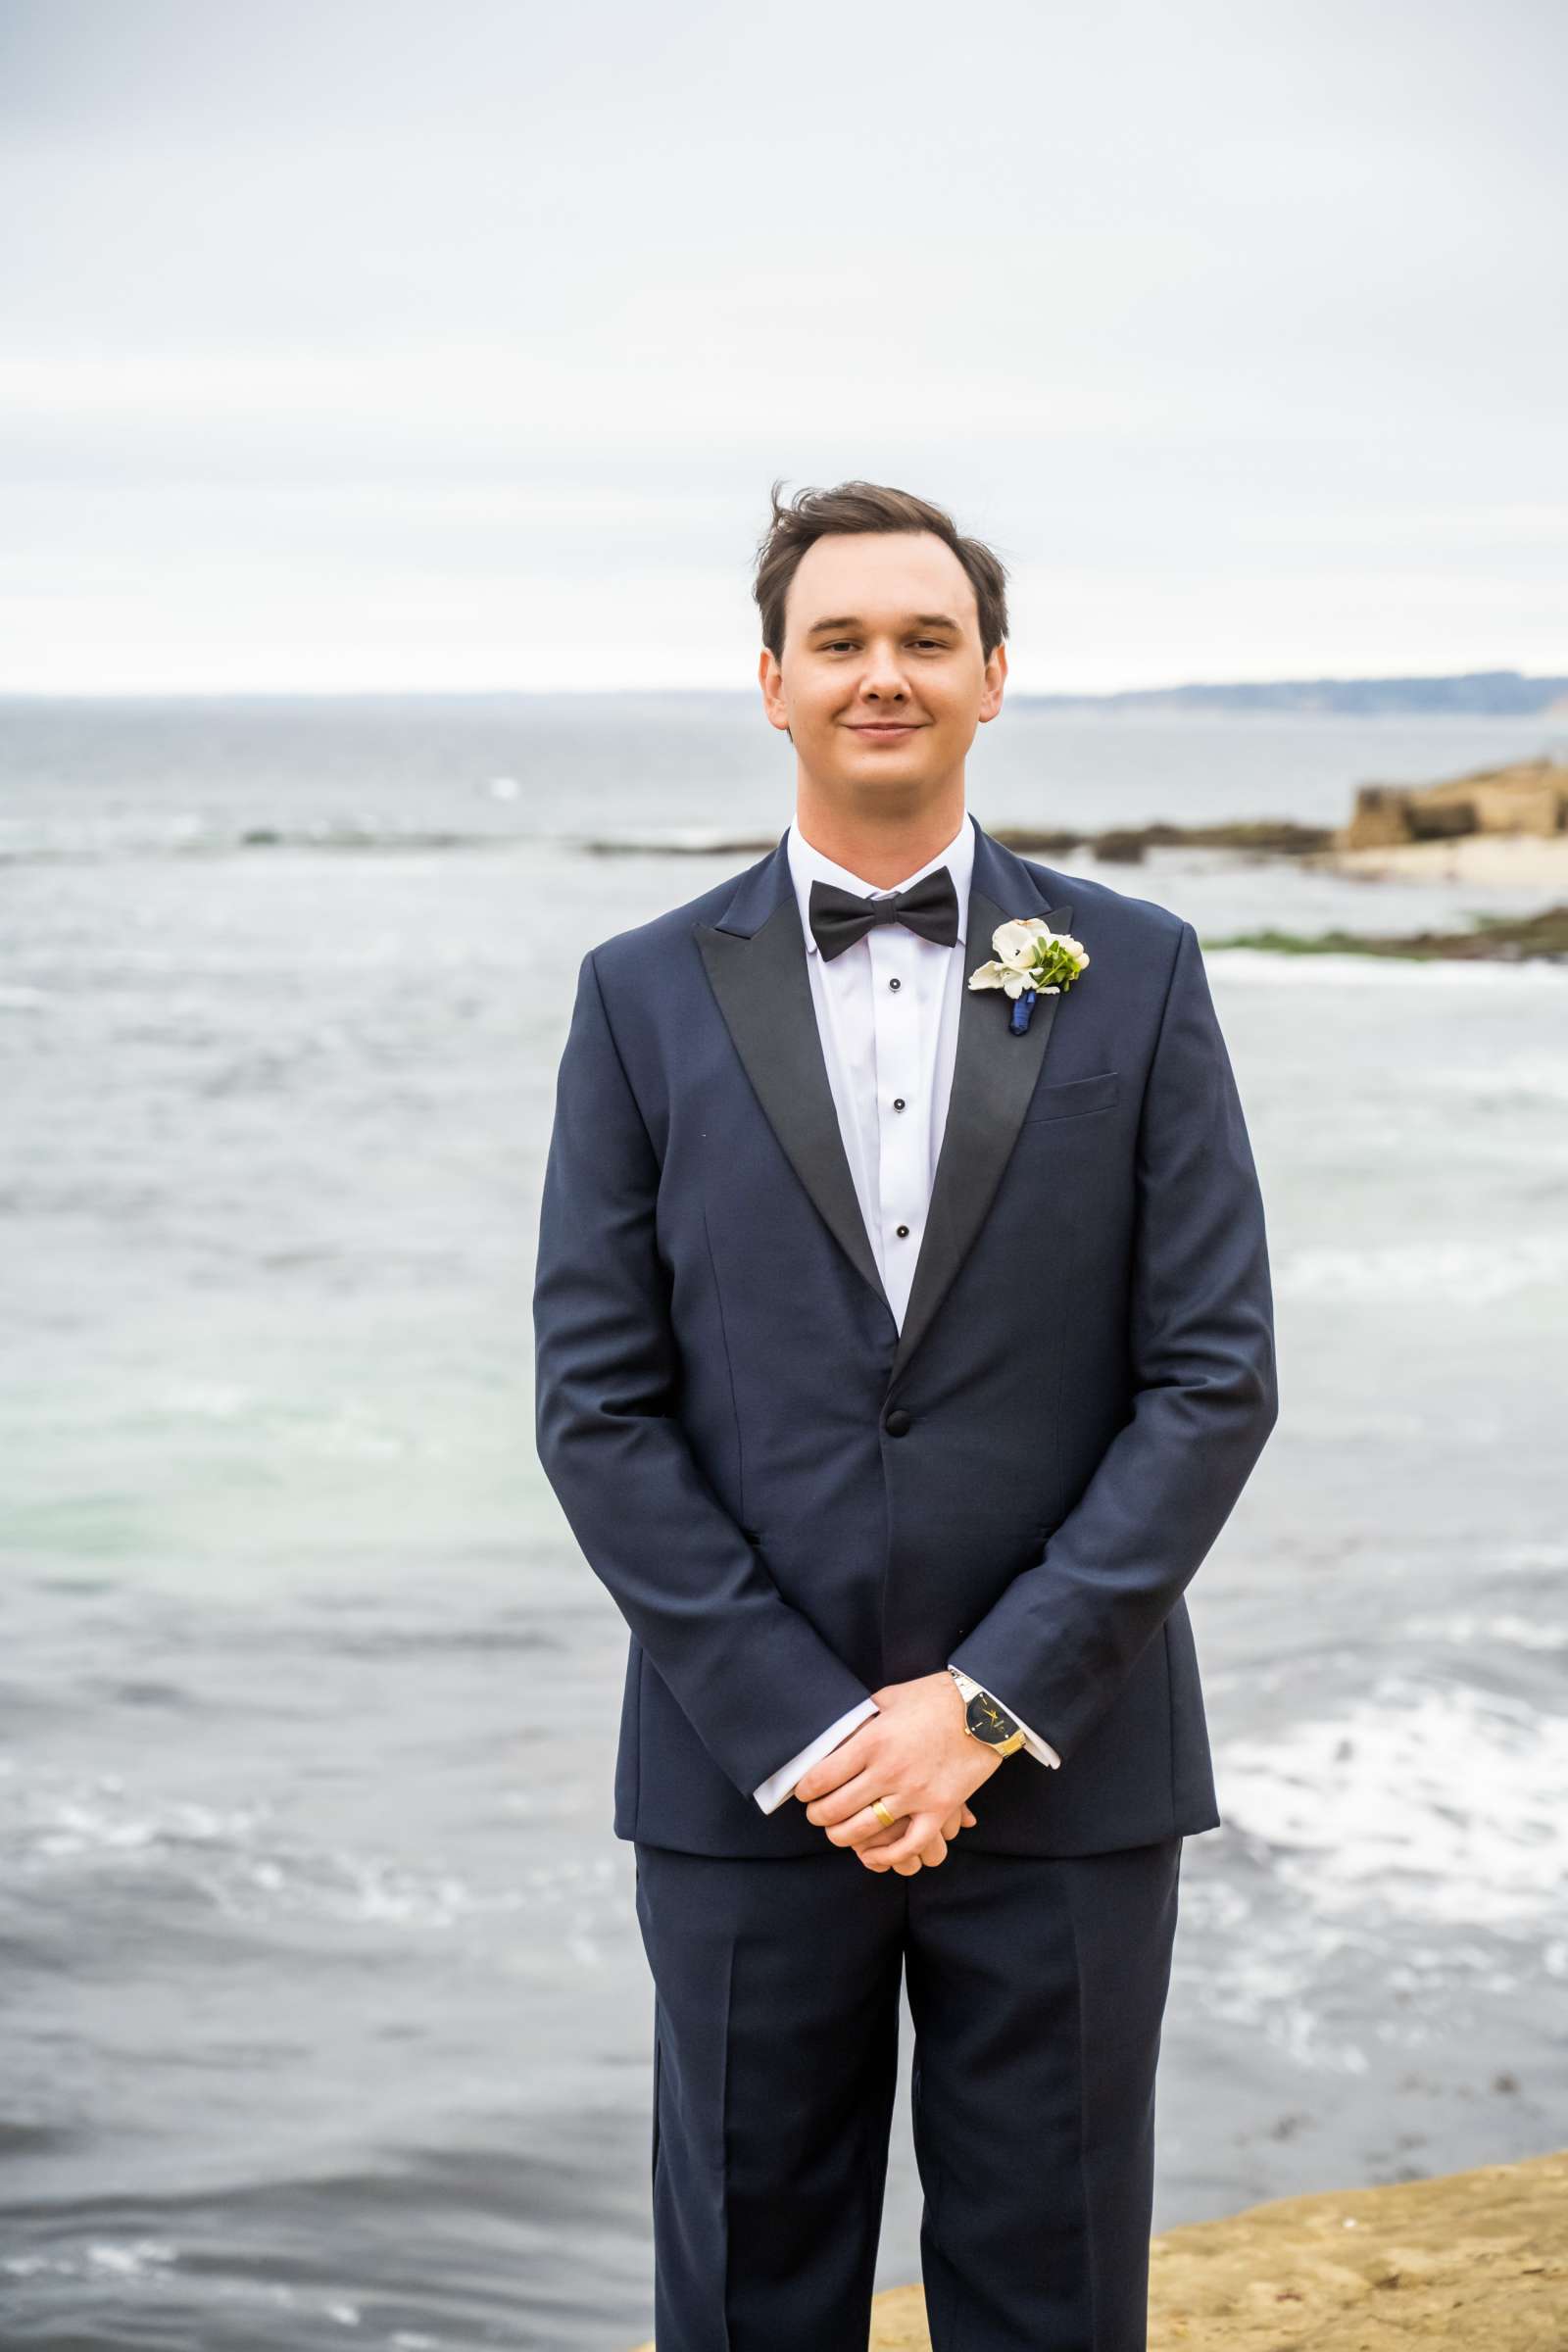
{"x": 1529, "y": 796}
{"x": 1476, "y": 2259}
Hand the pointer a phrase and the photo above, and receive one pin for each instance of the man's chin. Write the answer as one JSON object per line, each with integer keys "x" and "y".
{"x": 910, "y": 761}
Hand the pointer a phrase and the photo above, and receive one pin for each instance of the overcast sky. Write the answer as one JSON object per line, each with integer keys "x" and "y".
{"x": 400, "y": 345}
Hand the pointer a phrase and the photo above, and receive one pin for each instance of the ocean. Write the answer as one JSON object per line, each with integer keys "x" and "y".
{"x": 326, "y": 2014}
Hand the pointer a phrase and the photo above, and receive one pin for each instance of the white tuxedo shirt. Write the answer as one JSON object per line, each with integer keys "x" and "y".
{"x": 887, "y": 1010}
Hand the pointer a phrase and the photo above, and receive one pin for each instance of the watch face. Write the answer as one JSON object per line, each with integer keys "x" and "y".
{"x": 988, "y": 1721}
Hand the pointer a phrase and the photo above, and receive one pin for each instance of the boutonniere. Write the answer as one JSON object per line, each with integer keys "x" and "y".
{"x": 1031, "y": 960}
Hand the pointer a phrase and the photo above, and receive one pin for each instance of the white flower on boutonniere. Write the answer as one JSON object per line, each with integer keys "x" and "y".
{"x": 1031, "y": 960}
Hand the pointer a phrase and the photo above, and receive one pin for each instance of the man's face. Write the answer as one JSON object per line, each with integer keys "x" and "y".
{"x": 882, "y": 682}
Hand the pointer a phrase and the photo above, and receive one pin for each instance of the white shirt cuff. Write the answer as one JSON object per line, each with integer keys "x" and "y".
{"x": 778, "y": 1785}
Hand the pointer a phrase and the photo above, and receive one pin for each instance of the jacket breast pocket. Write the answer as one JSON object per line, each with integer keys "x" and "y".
{"x": 1073, "y": 1097}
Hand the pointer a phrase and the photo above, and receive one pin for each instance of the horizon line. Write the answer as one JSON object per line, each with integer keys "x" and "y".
{"x": 1056, "y": 694}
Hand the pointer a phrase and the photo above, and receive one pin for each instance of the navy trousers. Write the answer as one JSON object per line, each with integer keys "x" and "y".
{"x": 1037, "y": 1988}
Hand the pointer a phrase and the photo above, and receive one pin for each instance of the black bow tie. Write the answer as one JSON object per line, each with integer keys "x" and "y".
{"x": 929, "y": 906}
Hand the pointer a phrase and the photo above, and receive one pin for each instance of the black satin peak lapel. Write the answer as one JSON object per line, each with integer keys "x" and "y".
{"x": 764, "y": 993}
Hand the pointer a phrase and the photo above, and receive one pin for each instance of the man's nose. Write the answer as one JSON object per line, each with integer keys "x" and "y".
{"x": 883, "y": 675}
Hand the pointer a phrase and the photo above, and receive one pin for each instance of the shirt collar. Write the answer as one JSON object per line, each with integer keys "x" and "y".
{"x": 808, "y": 864}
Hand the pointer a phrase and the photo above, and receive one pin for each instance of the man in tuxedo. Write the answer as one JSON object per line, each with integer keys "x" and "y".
{"x": 898, "y": 1361}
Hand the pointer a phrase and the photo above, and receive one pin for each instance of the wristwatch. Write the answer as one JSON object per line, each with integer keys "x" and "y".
{"x": 984, "y": 1718}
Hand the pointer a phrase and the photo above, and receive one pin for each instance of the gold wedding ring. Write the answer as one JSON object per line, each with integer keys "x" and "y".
{"x": 887, "y": 1819}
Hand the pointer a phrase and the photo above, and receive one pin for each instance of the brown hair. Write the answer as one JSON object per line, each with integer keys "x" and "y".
{"x": 867, "y": 507}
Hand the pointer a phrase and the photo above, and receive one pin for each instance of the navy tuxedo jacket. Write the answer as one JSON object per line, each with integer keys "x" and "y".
{"x": 791, "y": 1500}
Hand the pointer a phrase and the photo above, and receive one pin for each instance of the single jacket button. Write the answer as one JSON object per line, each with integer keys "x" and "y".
{"x": 898, "y": 1101}
{"x": 897, "y": 1422}
{"x": 902, "y": 1229}
{"x": 894, "y": 984}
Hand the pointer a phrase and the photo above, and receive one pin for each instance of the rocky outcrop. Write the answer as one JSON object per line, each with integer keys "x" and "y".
{"x": 1476, "y": 2261}
{"x": 1495, "y": 939}
{"x": 1529, "y": 797}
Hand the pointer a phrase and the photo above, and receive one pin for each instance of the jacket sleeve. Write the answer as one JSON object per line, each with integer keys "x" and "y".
{"x": 1064, "y": 1634}
{"x": 750, "y": 1671}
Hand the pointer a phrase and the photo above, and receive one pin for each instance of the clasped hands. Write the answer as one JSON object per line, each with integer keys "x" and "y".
{"x": 918, "y": 1758}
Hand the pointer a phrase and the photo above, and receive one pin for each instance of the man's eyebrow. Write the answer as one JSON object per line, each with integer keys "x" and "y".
{"x": 850, "y": 620}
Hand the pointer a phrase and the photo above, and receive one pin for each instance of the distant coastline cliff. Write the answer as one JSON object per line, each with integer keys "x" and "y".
{"x": 1479, "y": 693}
